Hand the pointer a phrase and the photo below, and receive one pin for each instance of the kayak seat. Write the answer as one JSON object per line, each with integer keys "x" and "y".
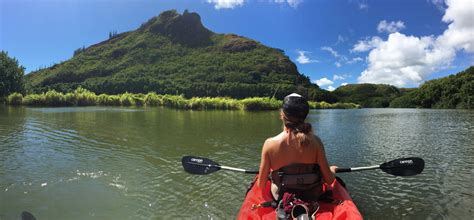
{"x": 303, "y": 180}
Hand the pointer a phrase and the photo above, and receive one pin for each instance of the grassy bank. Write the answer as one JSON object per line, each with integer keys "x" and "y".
{"x": 83, "y": 97}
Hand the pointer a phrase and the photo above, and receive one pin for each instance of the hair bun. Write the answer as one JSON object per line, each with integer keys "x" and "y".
{"x": 303, "y": 127}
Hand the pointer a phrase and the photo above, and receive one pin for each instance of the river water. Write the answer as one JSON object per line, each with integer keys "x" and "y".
{"x": 124, "y": 163}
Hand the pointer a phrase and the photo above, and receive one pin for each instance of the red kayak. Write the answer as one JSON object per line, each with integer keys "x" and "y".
{"x": 345, "y": 210}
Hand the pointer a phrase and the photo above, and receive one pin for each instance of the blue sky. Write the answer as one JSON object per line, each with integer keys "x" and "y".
{"x": 398, "y": 42}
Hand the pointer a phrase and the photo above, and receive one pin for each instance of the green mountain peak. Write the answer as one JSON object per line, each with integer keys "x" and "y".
{"x": 174, "y": 53}
{"x": 185, "y": 29}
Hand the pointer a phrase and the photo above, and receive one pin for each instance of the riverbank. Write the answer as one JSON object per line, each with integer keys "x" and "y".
{"x": 83, "y": 97}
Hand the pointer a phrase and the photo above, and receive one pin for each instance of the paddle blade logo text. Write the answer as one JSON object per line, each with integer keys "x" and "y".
{"x": 197, "y": 160}
{"x": 408, "y": 162}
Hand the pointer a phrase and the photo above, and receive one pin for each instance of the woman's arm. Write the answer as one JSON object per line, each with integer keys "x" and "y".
{"x": 328, "y": 175}
{"x": 264, "y": 166}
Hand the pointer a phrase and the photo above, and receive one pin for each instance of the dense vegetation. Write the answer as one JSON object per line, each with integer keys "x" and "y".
{"x": 175, "y": 54}
{"x": 454, "y": 91}
{"x": 367, "y": 95}
{"x": 11, "y": 75}
{"x": 83, "y": 97}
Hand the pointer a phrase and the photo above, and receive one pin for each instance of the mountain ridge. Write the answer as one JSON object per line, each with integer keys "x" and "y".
{"x": 174, "y": 53}
{"x": 453, "y": 91}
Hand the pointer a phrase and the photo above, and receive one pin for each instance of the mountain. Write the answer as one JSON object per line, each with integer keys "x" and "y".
{"x": 175, "y": 54}
{"x": 368, "y": 95}
{"x": 454, "y": 91}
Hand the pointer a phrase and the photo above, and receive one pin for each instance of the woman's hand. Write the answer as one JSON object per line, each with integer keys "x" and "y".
{"x": 333, "y": 169}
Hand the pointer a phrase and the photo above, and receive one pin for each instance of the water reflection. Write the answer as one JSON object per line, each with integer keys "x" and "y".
{"x": 124, "y": 163}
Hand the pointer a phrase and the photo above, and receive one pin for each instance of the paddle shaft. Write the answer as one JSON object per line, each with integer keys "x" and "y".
{"x": 345, "y": 170}
{"x": 226, "y": 168}
{"x": 338, "y": 170}
{"x": 239, "y": 170}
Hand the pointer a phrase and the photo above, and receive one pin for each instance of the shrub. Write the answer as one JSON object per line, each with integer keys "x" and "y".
{"x": 85, "y": 97}
{"x": 53, "y": 98}
{"x": 15, "y": 98}
{"x": 152, "y": 99}
{"x": 258, "y": 103}
{"x": 34, "y": 99}
{"x": 127, "y": 99}
{"x": 70, "y": 99}
{"x": 138, "y": 100}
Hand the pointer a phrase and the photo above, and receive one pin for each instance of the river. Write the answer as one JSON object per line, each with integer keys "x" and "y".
{"x": 124, "y": 163}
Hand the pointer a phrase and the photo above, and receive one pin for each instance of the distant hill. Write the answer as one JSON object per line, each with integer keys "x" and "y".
{"x": 368, "y": 95}
{"x": 454, "y": 91}
{"x": 175, "y": 54}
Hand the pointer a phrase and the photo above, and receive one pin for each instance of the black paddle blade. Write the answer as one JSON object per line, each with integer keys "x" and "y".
{"x": 404, "y": 166}
{"x": 27, "y": 216}
{"x": 199, "y": 165}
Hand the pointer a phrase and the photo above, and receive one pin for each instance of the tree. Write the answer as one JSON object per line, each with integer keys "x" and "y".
{"x": 11, "y": 75}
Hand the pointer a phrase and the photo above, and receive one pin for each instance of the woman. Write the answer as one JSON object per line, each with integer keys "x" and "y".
{"x": 296, "y": 144}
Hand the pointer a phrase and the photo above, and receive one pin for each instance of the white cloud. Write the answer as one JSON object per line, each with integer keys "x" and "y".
{"x": 404, "y": 60}
{"x": 291, "y": 3}
{"x": 355, "y": 60}
{"x": 367, "y": 44}
{"x": 226, "y": 4}
{"x": 332, "y": 51}
{"x": 339, "y": 58}
{"x": 344, "y": 84}
{"x": 230, "y": 4}
{"x": 460, "y": 32}
{"x": 338, "y": 77}
{"x": 363, "y": 5}
{"x": 303, "y": 59}
{"x": 340, "y": 39}
{"x": 439, "y": 4}
{"x": 324, "y": 82}
{"x": 331, "y": 88}
{"x": 390, "y": 27}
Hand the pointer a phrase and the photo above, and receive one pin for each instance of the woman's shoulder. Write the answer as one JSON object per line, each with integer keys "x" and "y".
{"x": 276, "y": 138}
{"x": 317, "y": 138}
{"x": 317, "y": 142}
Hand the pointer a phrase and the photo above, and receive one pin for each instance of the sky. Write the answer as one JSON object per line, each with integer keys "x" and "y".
{"x": 334, "y": 42}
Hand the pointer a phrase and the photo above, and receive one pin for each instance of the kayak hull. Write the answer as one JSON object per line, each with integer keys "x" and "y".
{"x": 346, "y": 210}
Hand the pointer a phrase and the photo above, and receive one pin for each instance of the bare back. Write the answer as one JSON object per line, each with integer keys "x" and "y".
{"x": 284, "y": 149}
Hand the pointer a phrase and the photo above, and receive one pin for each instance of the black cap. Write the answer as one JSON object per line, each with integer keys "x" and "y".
{"x": 295, "y": 106}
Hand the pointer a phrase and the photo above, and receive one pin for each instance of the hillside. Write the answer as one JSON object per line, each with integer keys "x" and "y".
{"x": 454, "y": 91}
{"x": 368, "y": 95}
{"x": 175, "y": 54}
